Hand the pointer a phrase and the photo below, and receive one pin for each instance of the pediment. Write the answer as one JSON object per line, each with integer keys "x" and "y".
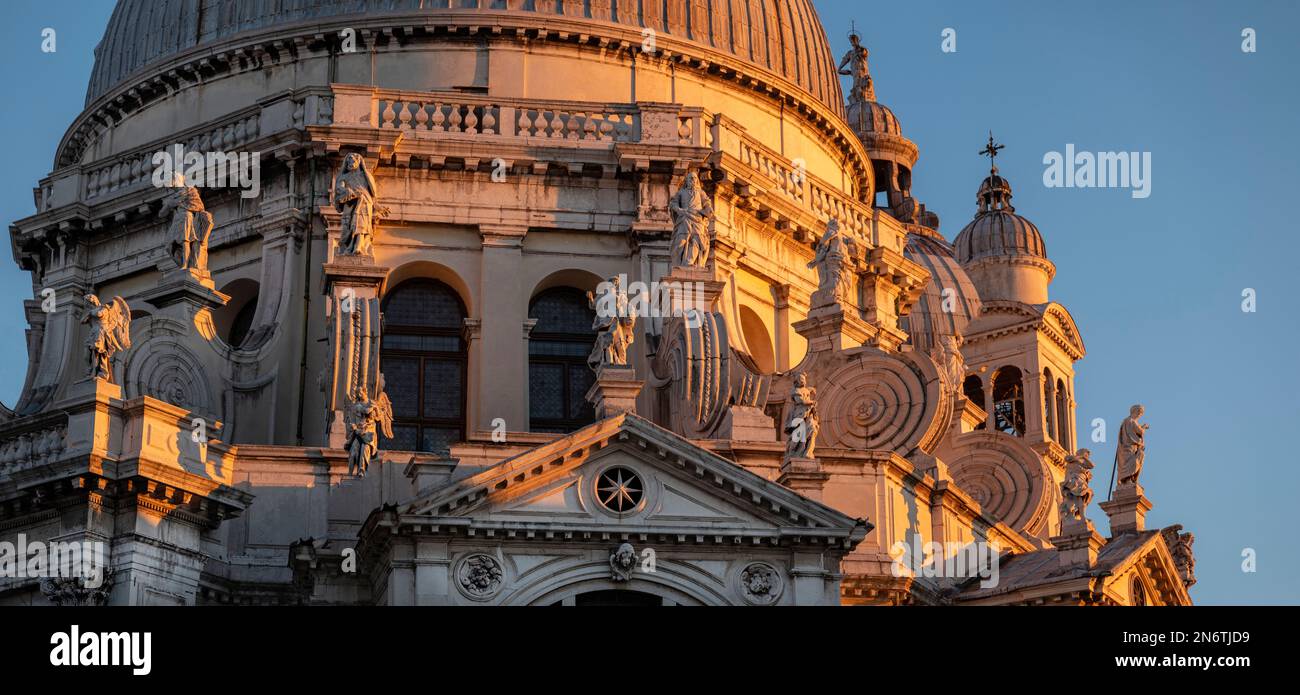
{"x": 684, "y": 490}
{"x": 1150, "y": 566}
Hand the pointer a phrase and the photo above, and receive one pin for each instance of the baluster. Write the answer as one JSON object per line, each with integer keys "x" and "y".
{"x": 489, "y": 120}
{"x": 471, "y": 120}
{"x": 438, "y": 118}
{"x": 525, "y": 124}
{"x": 404, "y": 116}
{"x": 422, "y": 117}
{"x": 572, "y": 127}
{"x": 386, "y": 116}
{"x": 455, "y": 119}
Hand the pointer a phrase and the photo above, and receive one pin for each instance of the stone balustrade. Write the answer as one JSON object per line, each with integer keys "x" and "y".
{"x": 31, "y": 443}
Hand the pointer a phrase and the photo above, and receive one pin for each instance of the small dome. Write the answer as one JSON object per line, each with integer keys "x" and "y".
{"x": 872, "y": 117}
{"x": 997, "y": 230}
{"x": 929, "y": 323}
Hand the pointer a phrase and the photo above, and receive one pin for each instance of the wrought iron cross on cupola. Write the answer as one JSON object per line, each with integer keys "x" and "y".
{"x": 991, "y": 151}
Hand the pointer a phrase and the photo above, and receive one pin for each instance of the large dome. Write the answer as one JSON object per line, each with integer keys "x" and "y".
{"x": 784, "y": 37}
{"x": 949, "y": 301}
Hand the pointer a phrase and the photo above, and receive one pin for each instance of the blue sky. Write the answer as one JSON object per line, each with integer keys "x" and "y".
{"x": 1155, "y": 284}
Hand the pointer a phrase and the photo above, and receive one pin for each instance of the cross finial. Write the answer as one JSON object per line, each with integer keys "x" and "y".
{"x": 991, "y": 150}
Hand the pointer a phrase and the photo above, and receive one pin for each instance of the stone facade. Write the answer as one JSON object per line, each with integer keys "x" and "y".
{"x": 375, "y": 388}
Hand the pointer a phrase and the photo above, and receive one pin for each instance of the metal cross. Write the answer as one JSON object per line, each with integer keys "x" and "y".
{"x": 992, "y": 150}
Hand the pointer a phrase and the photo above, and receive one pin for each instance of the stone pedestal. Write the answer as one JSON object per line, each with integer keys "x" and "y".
{"x": 1127, "y": 509}
{"x": 352, "y": 285}
{"x": 691, "y": 288}
{"x": 833, "y": 329}
{"x": 1078, "y": 544}
{"x": 425, "y": 471}
{"x": 615, "y": 391}
{"x": 747, "y": 423}
{"x": 188, "y": 296}
{"x": 803, "y": 475}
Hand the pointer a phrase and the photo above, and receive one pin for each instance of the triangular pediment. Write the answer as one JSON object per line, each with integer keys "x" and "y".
{"x": 681, "y": 489}
{"x": 1149, "y": 564}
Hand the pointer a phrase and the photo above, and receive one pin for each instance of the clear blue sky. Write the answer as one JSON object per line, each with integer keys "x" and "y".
{"x": 1155, "y": 284}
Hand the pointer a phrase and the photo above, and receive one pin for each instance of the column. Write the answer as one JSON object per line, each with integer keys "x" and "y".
{"x": 501, "y": 373}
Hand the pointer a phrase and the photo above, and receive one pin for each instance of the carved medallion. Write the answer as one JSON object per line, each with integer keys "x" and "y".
{"x": 761, "y": 584}
{"x": 479, "y": 577}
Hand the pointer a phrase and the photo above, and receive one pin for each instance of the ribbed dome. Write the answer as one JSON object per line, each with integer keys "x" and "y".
{"x": 997, "y": 230}
{"x": 872, "y": 117}
{"x": 928, "y": 322}
{"x": 782, "y": 36}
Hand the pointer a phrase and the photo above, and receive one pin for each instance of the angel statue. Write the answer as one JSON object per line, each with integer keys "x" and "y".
{"x": 952, "y": 366}
{"x": 365, "y": 418}
{"x": 354, "y": 196}
{"x": 692, "y": 212}
{"x": 613, "y": 325}
{"x": 110, "y": 333}
{"x": 191, "y": 225}
{"x": 802, "y": 427}
{"x": 1076, "y": 489}
{"x": 834, "y": 251}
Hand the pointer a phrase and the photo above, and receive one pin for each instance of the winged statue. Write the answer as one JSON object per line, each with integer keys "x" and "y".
{"x": 110, "y": 333}
{"x": 365, "y": 419}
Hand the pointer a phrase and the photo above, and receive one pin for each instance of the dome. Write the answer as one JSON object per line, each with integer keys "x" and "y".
{"x": 997, "y": 230}
{"x": 784, "y": 37}
{"x": 872, "y": 117}
{"x": 928, "y": 323}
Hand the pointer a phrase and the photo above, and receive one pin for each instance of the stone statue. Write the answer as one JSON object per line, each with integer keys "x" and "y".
{"x": 364, "y": 418}
{"x": 802, "y": 426}
{"x": 856, "y": 60}
{"x": 1076, "y": 489}
{"x": 191, "y": 226}
{"x": 834, "y": 252}
{"x": 947, "y": 354}
{"x": 692, "y": 212}
{"x": 1180, "y": 546}
{"x": 621, "y": 562}
{"x": 613, "y": 325}
{"x": 110, "y": 333}
{"x": 354, "y": 196}
{"x": 1131, "y": 449}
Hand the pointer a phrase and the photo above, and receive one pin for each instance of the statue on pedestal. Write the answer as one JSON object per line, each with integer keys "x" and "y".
{"x": 802, "y": 426}
{"x": 1180, "y": 546}
{"x": 1076, "y": 489}
{"x": 355, "y": 192}
{"x": 835, "y": 250}
{"x": 110, "y": 333}
{"x": 364, "y": 419}
{"x": 1131, "y": 449}
{"x": 952, "y": 366}
{"x": 191, "y": 226}
{"x": 691, "y": 212}
{"x": 613, "y": 325}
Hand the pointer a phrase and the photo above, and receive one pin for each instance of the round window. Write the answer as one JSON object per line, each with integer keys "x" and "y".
{"x": 619, "y": 489}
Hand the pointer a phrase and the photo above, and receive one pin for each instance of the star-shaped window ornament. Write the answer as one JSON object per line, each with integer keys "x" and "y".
{"x": 619, "y": 490}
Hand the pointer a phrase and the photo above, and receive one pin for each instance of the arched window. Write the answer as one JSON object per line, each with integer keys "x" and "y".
{"x": 973, "y": 389}
{"x": 1063, "y": 413}
{"x": 1009, "y": 401}
{"x": 423, "y": 361}
{"x": 1139, "y": 593}
{"x": 558, "y": 375}
{"x": 1049, "y": 404}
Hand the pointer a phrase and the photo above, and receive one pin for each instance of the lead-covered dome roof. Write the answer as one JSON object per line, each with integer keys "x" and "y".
{"x": 997, "y": 230}
{"x": 949, "y": 301}
{"x": 782, "y": 36}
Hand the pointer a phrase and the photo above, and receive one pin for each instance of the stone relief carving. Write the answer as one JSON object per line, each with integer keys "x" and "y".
{"x": 802, "y": 426}
{"x": 613, "y": 324}
{"x": 365, "y": 418}
{"x": 621, "y": 562}
{"x": 760, "y": 584}
{"x": 1131, "y": 449}
{"x": 355, "y": 193}
{"x": 480, "y": 576}
{"x": 692, "y": 215}
{"x": 72, "y": 591}
{"x": 1076, "y": 489}
{"x": 836, "y": 251}
{"x": 191, "y": 226}
{"x": 1180, "y": 546}
{"x": 110, "y": 333}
